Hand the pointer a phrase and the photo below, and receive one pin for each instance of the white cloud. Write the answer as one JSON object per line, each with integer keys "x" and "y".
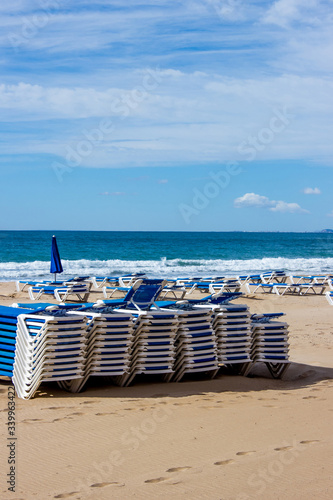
{"x": 256, "y": 200}
{"x": 163, "y": 181}
{"x": 202, "y": 112}
{"x": 175, "y": 124}
{"x": 284, "y": 12}
{"x": 282, "y": 206}
{"x": 309, "y": 190}
{"x": 228, "y": 10}
{"x": 330, "y": 214}
{"x": 253, "y": 200}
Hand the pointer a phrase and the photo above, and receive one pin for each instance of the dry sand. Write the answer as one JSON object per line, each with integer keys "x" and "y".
{"x": 229, "y": 438}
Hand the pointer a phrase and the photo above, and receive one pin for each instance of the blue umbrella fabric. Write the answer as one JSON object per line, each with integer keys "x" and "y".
{"x": 56, "y": 266}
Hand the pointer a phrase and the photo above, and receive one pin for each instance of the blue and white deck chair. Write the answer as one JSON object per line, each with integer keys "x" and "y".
{"x": 61, "y": 293}
{"x": 141, "y": 298}
{"x": 111, "y": 290}
{"x": 123, "y": 281}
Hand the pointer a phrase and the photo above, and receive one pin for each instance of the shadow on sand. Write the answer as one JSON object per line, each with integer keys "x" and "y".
{"x": 298, "y": 376}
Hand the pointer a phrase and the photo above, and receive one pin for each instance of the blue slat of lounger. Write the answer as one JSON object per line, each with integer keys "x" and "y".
{"x": 7, "y": 330}
{"x": 7, "y": 347}
{"x": 41, "y": 306}
{"x": 6, "y": 373}
{"x": 11, "y": 312}
{"x": 4, "y": 354}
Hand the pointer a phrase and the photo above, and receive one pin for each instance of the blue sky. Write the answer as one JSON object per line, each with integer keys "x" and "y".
{"x": 153, "y": 115}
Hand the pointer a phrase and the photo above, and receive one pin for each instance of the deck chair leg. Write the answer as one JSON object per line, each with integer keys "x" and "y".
{"x": 277, "y": 369}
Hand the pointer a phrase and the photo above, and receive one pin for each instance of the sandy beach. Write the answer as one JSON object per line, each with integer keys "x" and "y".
{"x": 233, "y": 438}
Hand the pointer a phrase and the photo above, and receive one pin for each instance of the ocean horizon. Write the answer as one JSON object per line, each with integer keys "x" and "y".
{"x": 26, "y": 254}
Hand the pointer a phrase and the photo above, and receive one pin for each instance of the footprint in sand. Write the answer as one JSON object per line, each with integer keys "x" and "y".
{"x": 310, "y": 397}
{"x": 178, "y": 469}
{"x": 66, "y": 495}
{"x": 283, "y": 448}
{"x": 86, "y": 402}
{"x": 224, "y": 462}
{"x": 78, "y": 413}
{"x": 242, "y": 453}
{"x": 28, "y": 420}
{"x": 103, "y": 414}
{"x": 102, "y": 485}
{"x": 156, "y": 480}
{"x": 56, "y": 408}
{"x": 310, "y": 441}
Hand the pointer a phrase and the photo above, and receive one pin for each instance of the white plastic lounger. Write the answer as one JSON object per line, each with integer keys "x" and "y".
{"x": 61, "y": 293}
{"x": 229, "y": 286}
{"x": 111, "y": 290}
{"x": 274, "y": 277}
{"x": 263, "y": 287}
{"x": 177, "y": 291}
{"x": 123, "y": 281}
{"x": 300, "y": 289}
{"x": 318, "y": 279}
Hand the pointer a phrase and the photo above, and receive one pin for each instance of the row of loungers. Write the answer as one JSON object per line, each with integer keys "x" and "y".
{"x": 135, "y": 335}
{"x": 273, "y": 281}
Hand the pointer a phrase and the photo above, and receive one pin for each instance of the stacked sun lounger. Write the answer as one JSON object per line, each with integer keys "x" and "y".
{"x": 110, "y": 337}
{"x": 48, "y": 348}
{"x": 153, "y": 349}
{"x": 8, "y": 333}
{"x": 232, "y": 326}
{"x": 196, "y": 348}
{"x": 270, "y": 343}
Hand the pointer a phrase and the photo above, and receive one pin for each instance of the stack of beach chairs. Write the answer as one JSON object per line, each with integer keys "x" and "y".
{"x": 153, "y": 349}
{"x": 270, "y": 343}
{"x": 48, "y": 348}
{"x": 110, "y": 336}
{"x": 233, "y": 329}
{"x": 122, "y": 340}
{"x": 196, "y": 348}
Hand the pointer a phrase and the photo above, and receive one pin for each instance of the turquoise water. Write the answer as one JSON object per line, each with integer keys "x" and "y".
{"x": 26, "y": 254}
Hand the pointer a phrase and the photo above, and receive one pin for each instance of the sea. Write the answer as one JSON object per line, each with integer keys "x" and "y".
{"x": 26, "y": 254}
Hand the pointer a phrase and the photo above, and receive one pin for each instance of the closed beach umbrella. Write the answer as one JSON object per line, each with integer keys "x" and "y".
{"x": 56, "y": 266}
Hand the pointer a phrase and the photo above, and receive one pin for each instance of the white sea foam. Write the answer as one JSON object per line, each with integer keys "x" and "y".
{"x": 164, "y": 267}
